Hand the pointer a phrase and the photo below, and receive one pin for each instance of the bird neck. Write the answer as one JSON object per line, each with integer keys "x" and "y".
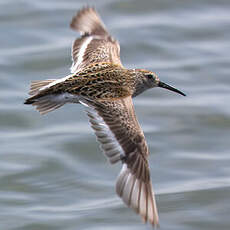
{"x": 139, "y": 85}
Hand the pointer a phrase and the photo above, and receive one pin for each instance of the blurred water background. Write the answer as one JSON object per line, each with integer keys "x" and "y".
{"x": 52, "y": 172}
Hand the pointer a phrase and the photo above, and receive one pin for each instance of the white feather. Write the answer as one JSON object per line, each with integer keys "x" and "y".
{"x": 81, "y": 53}
{"x": 55, "y": 82}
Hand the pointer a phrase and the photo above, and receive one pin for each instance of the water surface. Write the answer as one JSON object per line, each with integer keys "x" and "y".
{"x": 52, "y": 172}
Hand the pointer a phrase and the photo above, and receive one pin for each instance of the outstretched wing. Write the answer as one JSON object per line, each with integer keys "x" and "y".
{"x": 95, "y": 44}
{"x": 121, "y": 138}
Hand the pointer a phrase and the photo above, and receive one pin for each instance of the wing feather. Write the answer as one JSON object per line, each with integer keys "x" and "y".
{"x": 87, "y": 21}
{"x": 122, "y": 139}
{"x": 96, "y": 44}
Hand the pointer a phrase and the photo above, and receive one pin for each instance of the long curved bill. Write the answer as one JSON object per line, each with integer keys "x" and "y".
{"x": 163, "y": 85}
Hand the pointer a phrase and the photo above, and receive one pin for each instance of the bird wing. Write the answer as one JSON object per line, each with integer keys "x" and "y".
{"x": 122, "y": 138}
{"x": 95, "y": 45}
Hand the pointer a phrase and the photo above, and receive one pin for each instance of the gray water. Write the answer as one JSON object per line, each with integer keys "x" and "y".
{"x": 52, "y": 172}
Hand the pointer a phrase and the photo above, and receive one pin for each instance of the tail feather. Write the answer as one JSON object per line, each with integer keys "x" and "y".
{"x": 37, "y": 86}
{"x": 43, "y": 103}
{"x": 46, "y": 104}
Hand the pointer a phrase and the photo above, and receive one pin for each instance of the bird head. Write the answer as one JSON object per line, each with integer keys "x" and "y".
{"x": 150, "y": 79}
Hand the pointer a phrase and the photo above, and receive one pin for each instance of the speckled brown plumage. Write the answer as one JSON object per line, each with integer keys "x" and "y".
{"x": 102, "y": 46}
{"x": 105, "y": 88}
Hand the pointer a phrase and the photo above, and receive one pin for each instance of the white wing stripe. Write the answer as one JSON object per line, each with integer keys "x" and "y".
{"x": 81, "y": 53}
{"x": 55, "y": 82}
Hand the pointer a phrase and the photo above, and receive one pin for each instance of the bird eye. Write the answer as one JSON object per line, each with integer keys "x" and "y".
{"x": 150, "y": 76}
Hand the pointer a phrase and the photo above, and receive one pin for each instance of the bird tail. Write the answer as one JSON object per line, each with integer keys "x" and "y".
{"x": 44, "y": 103}
{"x": 37, "y": 86}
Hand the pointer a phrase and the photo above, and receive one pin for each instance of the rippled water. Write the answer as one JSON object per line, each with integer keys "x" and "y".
{"x": 52, "y": 172}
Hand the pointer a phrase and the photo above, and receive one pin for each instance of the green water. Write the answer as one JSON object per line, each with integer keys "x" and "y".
{"x": 52, "y": 172}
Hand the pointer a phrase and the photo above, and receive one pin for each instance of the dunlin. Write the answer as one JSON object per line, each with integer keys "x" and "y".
{"x": 105, "y": 88}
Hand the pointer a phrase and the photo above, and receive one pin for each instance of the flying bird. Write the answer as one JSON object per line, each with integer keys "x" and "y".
{"x": 105, "y": 88}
